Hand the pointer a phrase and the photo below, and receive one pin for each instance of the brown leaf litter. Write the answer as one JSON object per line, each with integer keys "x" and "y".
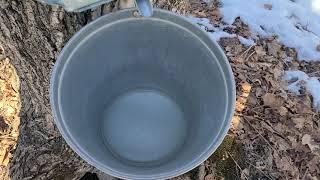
{"x": 279, "y": 131}
{"x": 9, "y": 114}
{"x": 274, "y": 134}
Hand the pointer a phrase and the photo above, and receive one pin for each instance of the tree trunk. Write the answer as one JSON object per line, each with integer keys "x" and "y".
{"x": 32, "y": 35}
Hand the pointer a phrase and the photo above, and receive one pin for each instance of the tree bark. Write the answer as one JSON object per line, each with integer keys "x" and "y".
{"x": 32, "y": 35}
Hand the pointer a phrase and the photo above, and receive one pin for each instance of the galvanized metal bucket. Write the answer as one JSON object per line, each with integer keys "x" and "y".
{"x": 142, "y": 97}
{"x": 144, "y": 7}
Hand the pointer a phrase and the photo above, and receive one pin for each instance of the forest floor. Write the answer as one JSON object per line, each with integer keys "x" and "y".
{"x": 275, "y": 134}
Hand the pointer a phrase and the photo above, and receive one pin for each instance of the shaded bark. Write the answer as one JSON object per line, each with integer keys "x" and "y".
{"x": 32, "y": 35}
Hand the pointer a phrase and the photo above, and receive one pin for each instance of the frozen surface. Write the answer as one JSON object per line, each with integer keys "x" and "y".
{"x": 216, "y": 33}
{"x": 295, "y": 22}
{"x": 298, "y": 79}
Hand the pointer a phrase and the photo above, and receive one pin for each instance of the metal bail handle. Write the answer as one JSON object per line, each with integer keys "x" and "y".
{"x": 145, "y": 7}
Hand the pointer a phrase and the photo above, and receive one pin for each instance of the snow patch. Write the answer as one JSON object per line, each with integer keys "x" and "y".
{"x": 299, "y": 79}
{"x": 247, "y": 42}
{"x": 204, "y": 23}
{"x": 296, "y": 23}
{"x": 216, "y": 33}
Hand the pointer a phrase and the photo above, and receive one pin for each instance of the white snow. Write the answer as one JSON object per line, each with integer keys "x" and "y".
{"x": 295, "y": 22}
{"x": 299, "y": 79}
{"x": 216, "y": 33}
{"x": 202, "y": 22}
{"x": 247, "y": 42}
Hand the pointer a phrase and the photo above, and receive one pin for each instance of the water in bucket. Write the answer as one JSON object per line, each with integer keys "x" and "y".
{"x": 137, "y": 119}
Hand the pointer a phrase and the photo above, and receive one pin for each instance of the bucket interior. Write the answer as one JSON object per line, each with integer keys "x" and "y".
{"x": 143, "y": 97}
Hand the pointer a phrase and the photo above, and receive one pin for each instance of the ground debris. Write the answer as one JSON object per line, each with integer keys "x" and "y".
{"x": 273, "y": 123}
{"x": 270, "y": 122}
{"x": 9, "y": 114}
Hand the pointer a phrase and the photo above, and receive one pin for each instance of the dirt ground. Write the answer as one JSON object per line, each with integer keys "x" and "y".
{"x": 274, "y": 134}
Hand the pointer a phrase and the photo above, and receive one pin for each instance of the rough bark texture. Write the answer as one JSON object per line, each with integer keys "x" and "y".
{"x": 32, "y": 35}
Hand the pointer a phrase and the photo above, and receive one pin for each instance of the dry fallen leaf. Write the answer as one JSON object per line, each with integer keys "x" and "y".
{"x": 307, "y": 140}
{"x": 3, "y": 154}
{"x": 272, "y": 100}
{"x": 277, "y": 72}
{"x": 252, "y": 100}
{"x": 314, "y": 164}
{"x": 245, "y": 173}
{"x": 260, "y": 51}
{"x": 239, "y": 106}
{"x": 293, "y": 141}
{"x": 283, "y": 144}
{"x": 259, "y": 92}
{"x": 282, "y": 163}
{"x": 280, "y": 152}
{"x": 235, "y": 123}
{"x": 283, "y": 111}
{"x": 209, "y": 177}
{"x": 6, "y": 159}
{"x": 242, "y": 77}
{"x": 273, "y": 48}
{"x": 246, "y": 87}
{"x": 299, "y": 122}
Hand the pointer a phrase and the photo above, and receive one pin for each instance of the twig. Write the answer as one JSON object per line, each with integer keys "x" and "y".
{"x": 288, "y": 158}
{"x": 261, "y": 136}
{"x": 285, "y": 63}
{"x": 313, "y": 73}
{"x": 7, "y": 137}
{"x": 249, "y": 56}
{"x": 304, "y": 175}
{"x": 260, "y": 171}
{"x": 237, "y": 164}
{"x": 246, "y": 51}
{"x": 241, "y": 67}
{"x": 202, "y": 172}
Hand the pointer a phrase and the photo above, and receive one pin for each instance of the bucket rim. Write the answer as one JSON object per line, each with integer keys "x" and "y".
{"x": 90, "y": 28}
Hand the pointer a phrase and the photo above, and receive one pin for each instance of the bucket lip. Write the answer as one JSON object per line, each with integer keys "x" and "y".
{"x": 68, "y": 50}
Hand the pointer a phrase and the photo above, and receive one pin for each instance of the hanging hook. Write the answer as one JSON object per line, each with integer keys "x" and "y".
{"x": 145, "y": 7}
